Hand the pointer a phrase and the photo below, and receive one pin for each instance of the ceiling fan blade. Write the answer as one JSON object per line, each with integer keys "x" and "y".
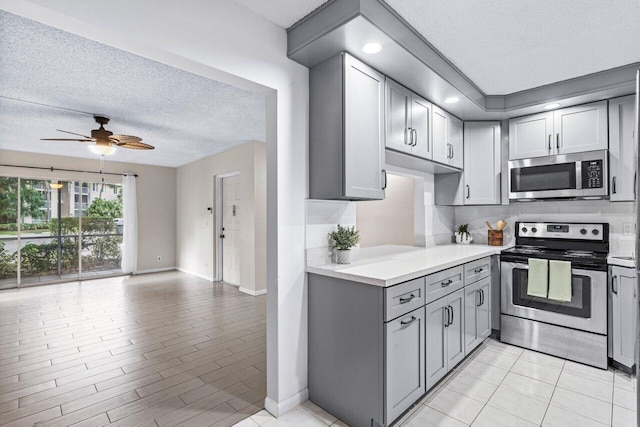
{"x": 65, "y": 139}
{"x": 73, "y": 133}
{"x": 136, "y": 145}
{"x": 121, "y": 139}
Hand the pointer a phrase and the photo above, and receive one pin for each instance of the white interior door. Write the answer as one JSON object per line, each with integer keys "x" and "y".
{"x": 231, "y": 230}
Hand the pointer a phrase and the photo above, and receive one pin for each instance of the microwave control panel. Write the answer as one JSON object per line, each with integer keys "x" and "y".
{"x": 592, "y": 174}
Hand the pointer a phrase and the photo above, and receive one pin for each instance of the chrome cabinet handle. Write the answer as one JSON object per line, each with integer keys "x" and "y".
{"x": 445, "y": 313}
{"x": 408, "y": 322}
{"x": 415, "y": 141}
{"x": 451, "y": 311}
{"x": 384, "y": 172}
{"x": 468, "y": 191}
{"x": 635, "y": 183}
{"x": 478, "y": 270}
{"x": 549, "y": 142}
{"x": 558, "y": 142}
{"x": 479, "y": 293}
{"x": 452, "y": 151}
{"x": 613, "y": 185}
{"x": 614, "y": 279}
{"x": 445, "y": 284}
{"x": 482, "y": 295}
{"x": 406, "y": 300}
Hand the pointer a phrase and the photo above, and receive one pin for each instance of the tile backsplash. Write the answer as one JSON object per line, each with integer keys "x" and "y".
{"x": 322, "y": 217}
{"x": 617, "y": 214}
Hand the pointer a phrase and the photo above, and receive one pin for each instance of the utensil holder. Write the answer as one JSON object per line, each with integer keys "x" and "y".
{"x": 495, "y": 237}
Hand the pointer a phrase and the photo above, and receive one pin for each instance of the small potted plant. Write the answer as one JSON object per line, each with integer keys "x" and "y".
{"x": 344, "y": 238}
{"x": 462, "y": 234}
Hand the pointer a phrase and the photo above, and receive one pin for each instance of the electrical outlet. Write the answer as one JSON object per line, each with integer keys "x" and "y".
{"x": 159, "y": 258}
{"x": 628, "y": 229}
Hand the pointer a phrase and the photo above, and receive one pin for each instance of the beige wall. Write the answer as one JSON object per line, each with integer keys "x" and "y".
{"x": 196, "y": 225}
{"x": 388, "y": 221}
{"x": 156, "y": 191}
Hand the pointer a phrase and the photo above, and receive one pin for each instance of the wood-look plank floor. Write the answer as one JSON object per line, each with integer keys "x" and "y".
{"x": 157, "y": 349}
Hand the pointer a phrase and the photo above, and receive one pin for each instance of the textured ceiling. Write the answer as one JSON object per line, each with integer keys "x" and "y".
{"x": 284, "y": 13}
{"x": 506, "y": 46}
{"x": 185, "y": 116}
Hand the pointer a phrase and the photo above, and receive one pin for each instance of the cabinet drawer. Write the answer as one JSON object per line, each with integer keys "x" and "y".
{"x": 476, "y": 270}
{"x": 443, "y": 283}
{"x": 403, "y": 298}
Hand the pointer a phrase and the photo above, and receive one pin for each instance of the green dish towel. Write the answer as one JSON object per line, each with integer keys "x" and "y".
{"x": 538, "y": 280}
{"x": 560, "y": 281}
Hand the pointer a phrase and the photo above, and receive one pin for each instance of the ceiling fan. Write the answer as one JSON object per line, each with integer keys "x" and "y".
{"x": 105, "y": 142}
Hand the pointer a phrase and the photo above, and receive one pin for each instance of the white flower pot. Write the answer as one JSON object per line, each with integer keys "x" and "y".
{"x": 464, "y": 239}
{"x": 343, "y": 256}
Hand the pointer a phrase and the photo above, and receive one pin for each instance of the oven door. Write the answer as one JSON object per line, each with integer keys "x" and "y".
{"x": 587, "y": 310}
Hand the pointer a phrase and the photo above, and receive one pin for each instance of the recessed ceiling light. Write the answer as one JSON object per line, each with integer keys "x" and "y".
{"x": 372, "y": 47}
{"x": 451, "y": 100}
{"x": 551, "y": 106}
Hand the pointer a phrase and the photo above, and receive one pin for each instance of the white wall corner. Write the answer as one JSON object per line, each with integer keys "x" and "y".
{"x": 278, "y": 409}
{"x": 252, "y": 292}
{"x": 202, "y": 276}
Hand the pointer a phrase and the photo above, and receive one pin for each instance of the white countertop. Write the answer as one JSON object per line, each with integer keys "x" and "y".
{"x": 392, "y": 264}
{"x": 621, "y": 261}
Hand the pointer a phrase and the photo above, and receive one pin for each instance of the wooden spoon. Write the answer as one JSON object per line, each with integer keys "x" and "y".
{"x": 488, "y": 225}
{"x": 502, "y": 225}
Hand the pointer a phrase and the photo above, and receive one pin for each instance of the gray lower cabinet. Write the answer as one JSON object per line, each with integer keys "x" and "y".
{"x": 477, "y": 313}
{"x": 404, "y": 362}
{"x": 346, "y": 130}
{"x": 445, "y": 335}
{"x": 624, "y": 308}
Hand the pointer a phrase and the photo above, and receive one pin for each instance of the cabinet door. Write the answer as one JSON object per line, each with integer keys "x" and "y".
{"x": 531, "y": 136}
{"x": 622, "y": 158}
{"x": 455, "y": 140}
{"x": 405, "y": 362}
{"x": 436, "y": 341}
{"x": 420, "y": 126}
{"x": 624, "y": 307}
{"x": 482, "y": 163}
{"x": 581, "y": 128}
{"x": 398, "y": 109}
{"x": 364, "y": 131}
{"x": 455, "y": 329}
{"x": 471, "y": 302}
{"x": 483, "y": 310}
{"x": 439, "y": 135}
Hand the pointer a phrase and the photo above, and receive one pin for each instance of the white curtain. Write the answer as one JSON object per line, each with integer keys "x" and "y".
{"x": 130, "y": 226}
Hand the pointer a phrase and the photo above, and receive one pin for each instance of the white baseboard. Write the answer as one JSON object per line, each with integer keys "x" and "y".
{"x": 279, "y": 409}
{"x": 155, "y": 270}
{"x": 202, "y": 276}
{"x": 252, "y": 293}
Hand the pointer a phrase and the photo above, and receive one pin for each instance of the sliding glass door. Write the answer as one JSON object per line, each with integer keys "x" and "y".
{"x": 53, "y": 231}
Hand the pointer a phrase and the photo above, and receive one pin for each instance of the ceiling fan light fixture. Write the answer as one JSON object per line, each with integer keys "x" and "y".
{"x": 102, "y": 149}
{"x": 55, "y": 185}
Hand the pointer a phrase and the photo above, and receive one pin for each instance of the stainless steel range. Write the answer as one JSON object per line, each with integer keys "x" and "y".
{"x": 574, "y": 328}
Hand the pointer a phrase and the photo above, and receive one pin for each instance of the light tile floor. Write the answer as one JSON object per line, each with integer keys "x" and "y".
{"x": 504, "y": 386}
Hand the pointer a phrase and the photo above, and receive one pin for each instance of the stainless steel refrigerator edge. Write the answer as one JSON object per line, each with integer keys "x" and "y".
{"x": 637, "y": 251}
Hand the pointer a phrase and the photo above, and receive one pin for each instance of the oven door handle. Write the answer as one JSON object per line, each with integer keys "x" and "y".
{"x": 614, "y": 280}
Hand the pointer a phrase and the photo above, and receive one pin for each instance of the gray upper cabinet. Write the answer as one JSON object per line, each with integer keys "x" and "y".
{"x": 624, "y": 307}
{"x": 408, "y": 119}
{"x": 581, "y": 128}
{"x": 346, "y": 130}
{"x": 482, "y": 161}
{"x": 531, "y": 136}
{"x": 567, "y": 130}
{"x": 440, "y": 135}
{"x": 456, "y": 157}
{"x": 404, "y": 362}
{"x": 622, "y": 157}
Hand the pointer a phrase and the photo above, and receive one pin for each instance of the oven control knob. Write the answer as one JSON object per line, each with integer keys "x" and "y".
{"x": 583, "y": 231}
{"x": 524, "y": 229}
{"x": 534, "y": 230}
{"x": 595, "y": 232}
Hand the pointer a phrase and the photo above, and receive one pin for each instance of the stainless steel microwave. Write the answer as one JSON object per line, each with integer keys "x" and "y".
{"x": 570, "y": 176}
